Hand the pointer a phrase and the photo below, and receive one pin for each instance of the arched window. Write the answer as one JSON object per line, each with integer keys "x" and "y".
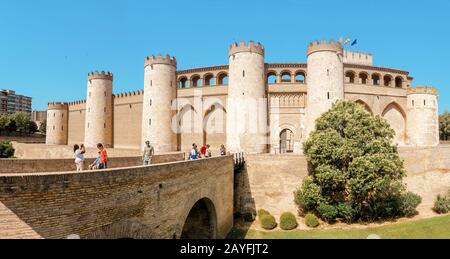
{"x": 196, "y": 81}
{"x": 387, "y": 80}
{"x": 376, "y": 79}
{"x": 272, "y": 78}
{"x": 399, "y": 82}
{"x": 286, "y": 77}
{"x": 222, "y": 79}
{"x": 363, "y": 77}
{"x": 209, "y": 80}
{"x": 351, "y": 77}
{"x": 300, "y": 77}
{"x": 183, "y": 82}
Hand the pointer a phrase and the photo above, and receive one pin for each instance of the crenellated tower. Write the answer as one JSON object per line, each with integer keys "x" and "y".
{"x": 159, "y": 92}
{"x": 325, "y": 79}
{"x": 423, "y": 116}
{"x": 247, "y": 128}
{"x": 57, "y": 124}
{"x": 99, "y": 110}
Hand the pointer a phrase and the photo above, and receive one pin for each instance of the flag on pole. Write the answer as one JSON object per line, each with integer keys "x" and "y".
{"x": 355, "y": 42}
{"x": 347, "y": 41}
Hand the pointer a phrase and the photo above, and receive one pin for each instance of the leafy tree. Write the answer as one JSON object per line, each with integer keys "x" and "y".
{"x": 11, "y": 126}
{"x": 6, "y": 149}
{"x": 31, "y": 127}
{"x": 355, "y": 171}
{"x": 43, "y": 127}
{"x": 22, "y": 121}
{"x": 4, "y": 121}
{"x": 444, "y": 126}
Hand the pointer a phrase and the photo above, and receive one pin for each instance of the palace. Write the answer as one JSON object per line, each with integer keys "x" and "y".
{"x": 247, "y": 105}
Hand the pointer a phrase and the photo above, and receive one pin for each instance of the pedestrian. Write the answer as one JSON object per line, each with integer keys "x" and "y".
{"x": 79, "y": 157}
{"x": 149, "y": 151}
{"x": 223, "y": 150}
{"x": 203, "y": 150}
{"x": 103, "y": 157}
{"x": 95, "y": 165}
{"x": 208, "y": 151}
{"x": 194, "y": 153}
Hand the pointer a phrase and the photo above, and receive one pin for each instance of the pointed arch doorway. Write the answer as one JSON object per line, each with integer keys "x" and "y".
{"x": 286, "y": 141}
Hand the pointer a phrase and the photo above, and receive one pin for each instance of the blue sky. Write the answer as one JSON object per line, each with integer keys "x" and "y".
{"x": 47, "y": 47}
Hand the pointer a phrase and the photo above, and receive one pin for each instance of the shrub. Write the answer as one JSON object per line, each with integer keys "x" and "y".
{"x": 268, "y": 222}
{"x": 6, "y": 149}
{"x": 328, "y": 212}
{"x": 409, "y": 203}
{"x": 351, "y": 159}
{"x": 442, "y": 205}
{"x": 248, "y": 217}
{"x": 346, "y": 212}
{"x": 262, "y": 212}
{"x": 311, "y": 220}
{"x": 288, "y": 221}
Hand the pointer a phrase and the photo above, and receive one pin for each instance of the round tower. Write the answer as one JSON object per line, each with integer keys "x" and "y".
{"x": 57, "y": 124}
{"x": 247, "y": 129}
{"x": 325, "y": 79}
{"x": 423, "y": 116}
{"x": 99, "y": 110}
{"x": 159, "y": 92}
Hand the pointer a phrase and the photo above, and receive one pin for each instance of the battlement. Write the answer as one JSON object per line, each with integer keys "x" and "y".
{"x": 423, "y": 90}
{"x": 100, "y": 75}
{"x": 242, "y": 47}
{"x": 77, "y": 103}
{"x": 167, "y": 60}
{"x": 57, "y": 105}
{"x": 358, "y": 58}
{"x": 129, "y": 94}
{"x": 316, "y": 46}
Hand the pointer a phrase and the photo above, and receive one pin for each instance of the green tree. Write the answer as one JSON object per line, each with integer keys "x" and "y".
{"x": 6, "y": 149}
{"x": 355, "y": 171}
{"x": 22, "y": 121}
{"x": 31, "y": 127}
{"x": 4, "y": 121}
{"x": 43, "y": 127}
{"x": 444, "y": 126}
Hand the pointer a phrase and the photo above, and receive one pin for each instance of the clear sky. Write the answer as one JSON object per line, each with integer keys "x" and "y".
{"x": 47, "y": 47}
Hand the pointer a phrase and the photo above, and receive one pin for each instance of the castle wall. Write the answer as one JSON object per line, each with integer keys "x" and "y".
{"x": 77, "y": 119}
{"x": 128, "y": 120}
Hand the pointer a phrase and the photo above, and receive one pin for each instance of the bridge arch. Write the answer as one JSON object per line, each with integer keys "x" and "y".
{"x": 201, "y": 222}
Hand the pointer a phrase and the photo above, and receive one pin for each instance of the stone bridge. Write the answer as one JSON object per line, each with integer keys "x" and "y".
{"x": 188, "y": 199}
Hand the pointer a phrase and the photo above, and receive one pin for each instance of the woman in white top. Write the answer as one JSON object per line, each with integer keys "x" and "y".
{"x": 79, "y": 157}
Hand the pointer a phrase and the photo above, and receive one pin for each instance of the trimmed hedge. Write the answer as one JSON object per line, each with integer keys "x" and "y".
{"x": 311, "y": 221}
{"x": 288, "y": 221}
{"x": 263, "y": 212}
{"x": 268, "y": 222}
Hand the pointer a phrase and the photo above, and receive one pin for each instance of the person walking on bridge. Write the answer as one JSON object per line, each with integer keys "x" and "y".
{"x": 149, "y": 152}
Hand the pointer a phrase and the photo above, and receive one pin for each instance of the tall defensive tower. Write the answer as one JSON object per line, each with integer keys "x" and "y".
{"x": 423, "y": 116}
{"x": 325, "y": 79}
{"x": 99, "y": 110}
{"x": 247, "y": 128}
{"x": 57, "y": 124}
{"x": 159, "y": 92}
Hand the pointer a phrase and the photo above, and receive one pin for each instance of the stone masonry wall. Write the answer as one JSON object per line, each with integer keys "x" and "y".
{"x": 140, "y": 202}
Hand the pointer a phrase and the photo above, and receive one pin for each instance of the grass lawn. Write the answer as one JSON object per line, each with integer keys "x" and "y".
{"x": 434, "y": 228}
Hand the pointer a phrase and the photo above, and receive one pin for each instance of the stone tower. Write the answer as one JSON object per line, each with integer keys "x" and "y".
{"x": 325, "y": 79}
{"x": 159, "y": 93}
{"x": 99, "y": 110}
{"x": 247, "y": 129}
{"x": 57, "y": 124}
{"x": 423, "y": 116}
